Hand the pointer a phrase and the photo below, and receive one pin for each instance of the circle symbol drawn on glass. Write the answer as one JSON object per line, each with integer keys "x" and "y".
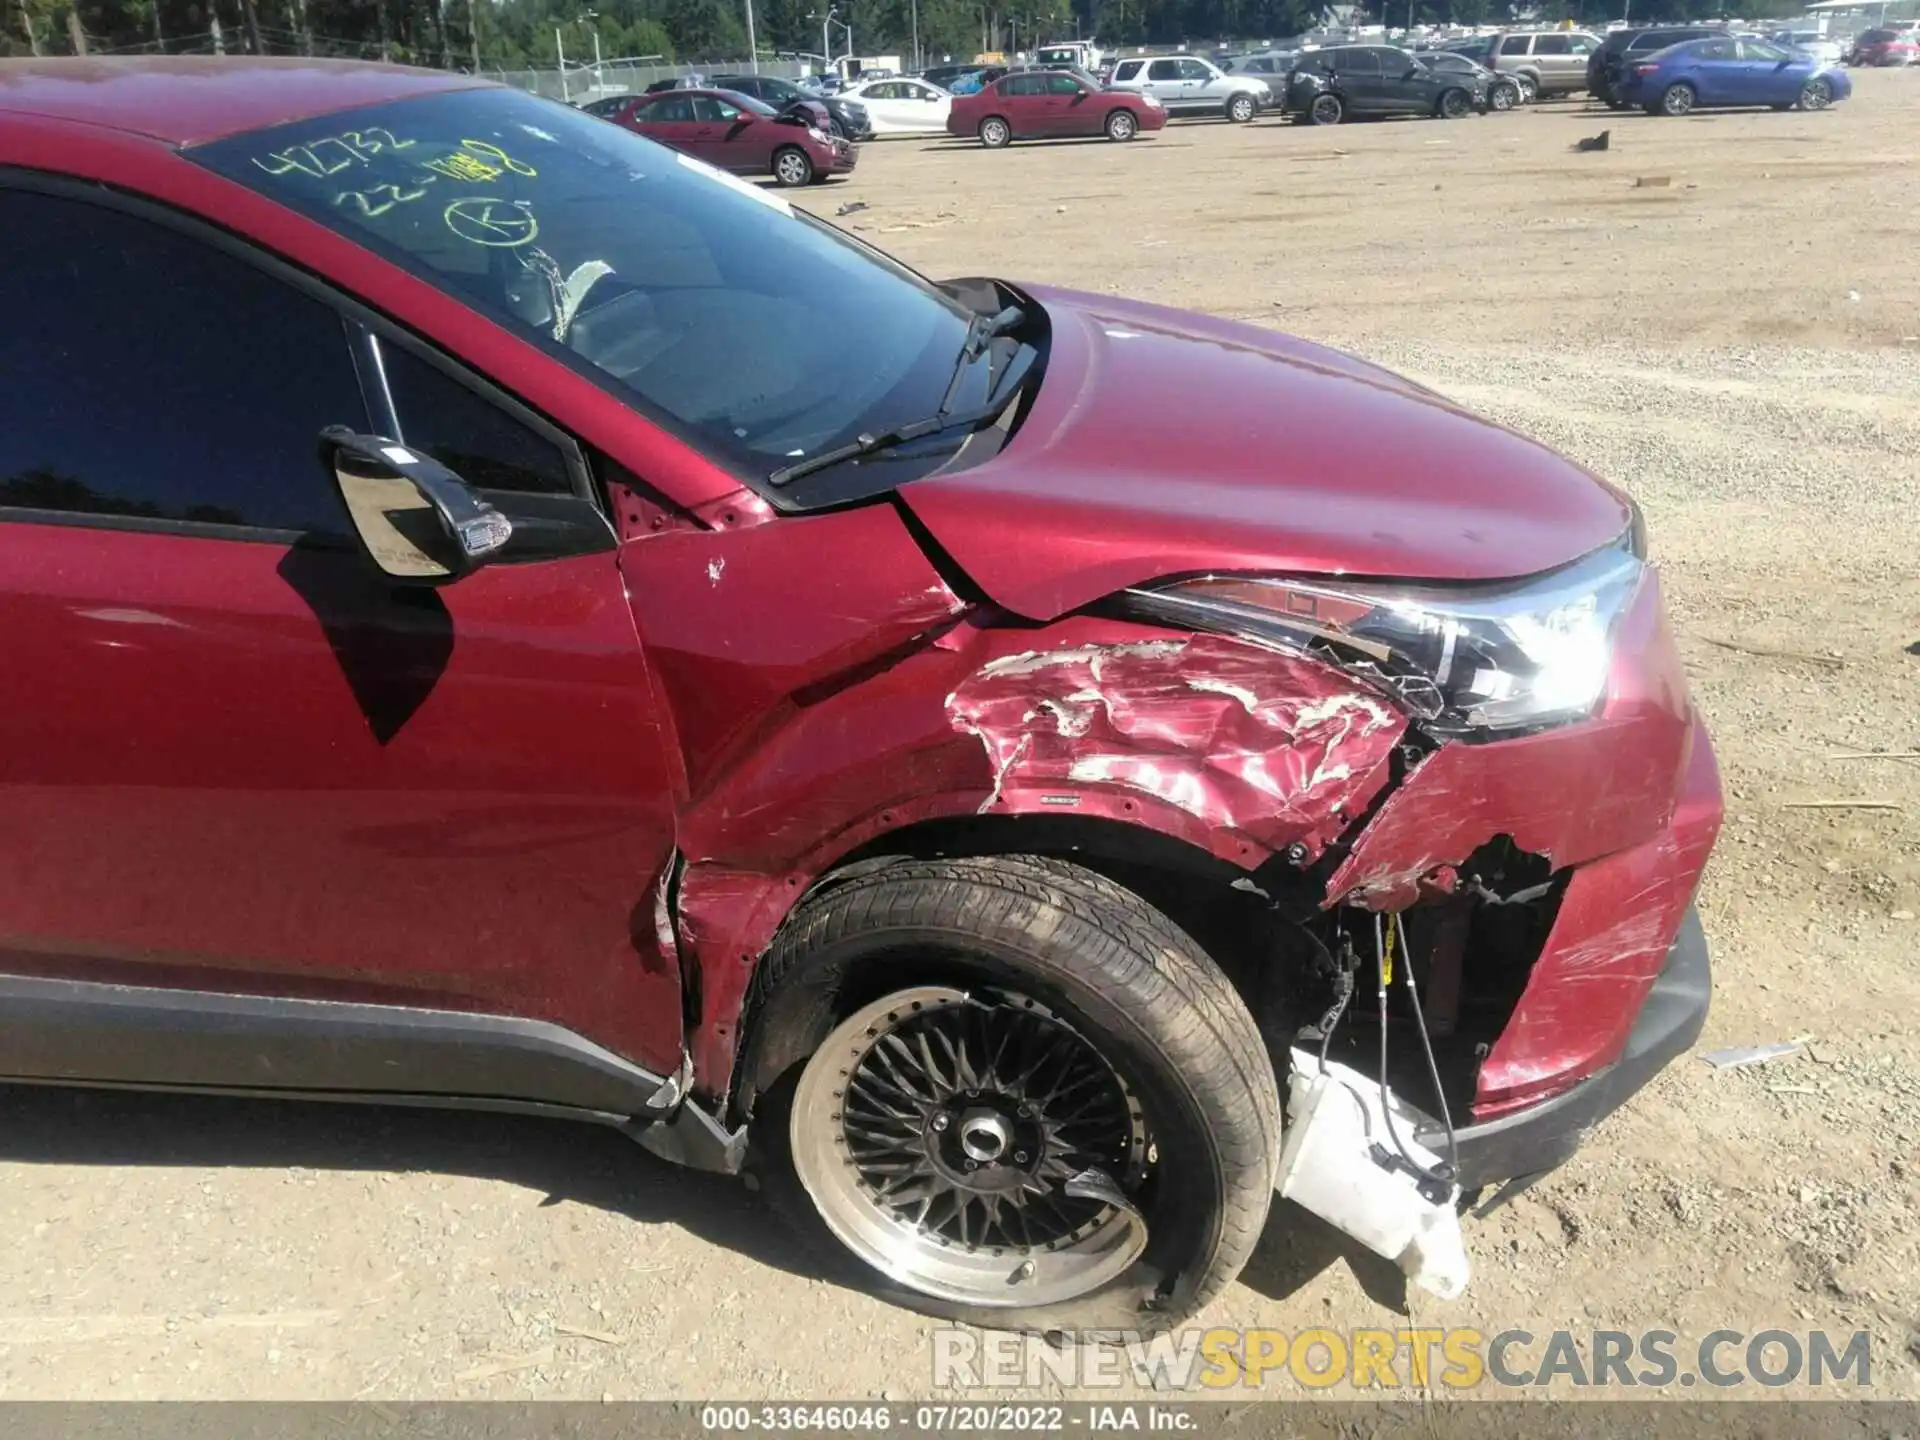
{"x": 497, "y": 224}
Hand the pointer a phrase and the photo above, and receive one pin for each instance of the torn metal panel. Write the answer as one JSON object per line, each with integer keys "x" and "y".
{"x": 1229, "y": 749}
{"x": 1616, "y": 923}
{"x": 1253, "y": 745}
{"x": 1570, "y": 794}
{"x": 727, "y": 647}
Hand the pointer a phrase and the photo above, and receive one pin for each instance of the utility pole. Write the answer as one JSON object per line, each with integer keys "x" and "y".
{"x": 917, "y": 65}
{"x": 753, "y": 47}
{"x": 252, "y": 12}
{"x": 473, "y": 31}
{"x": 75, "y": 33}
{"x": 159, "y": 38}
{"x": 560, "y": 55}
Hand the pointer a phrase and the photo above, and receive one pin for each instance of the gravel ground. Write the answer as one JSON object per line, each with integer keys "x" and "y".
{"x": 1739, "y": 345}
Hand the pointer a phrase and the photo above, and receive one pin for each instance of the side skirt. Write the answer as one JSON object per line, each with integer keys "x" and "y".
{"x": 75, "y": 1032}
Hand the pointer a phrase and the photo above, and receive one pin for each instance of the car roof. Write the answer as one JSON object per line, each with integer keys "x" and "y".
{"x": 716, "y": 92}
{"x": 184, "y": 99}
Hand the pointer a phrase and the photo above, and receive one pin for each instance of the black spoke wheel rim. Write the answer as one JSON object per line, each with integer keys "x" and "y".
{"x": 937, "y": 1131}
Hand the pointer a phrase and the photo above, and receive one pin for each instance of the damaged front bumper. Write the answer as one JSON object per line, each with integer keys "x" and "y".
{"x": 1528, "y": 1143}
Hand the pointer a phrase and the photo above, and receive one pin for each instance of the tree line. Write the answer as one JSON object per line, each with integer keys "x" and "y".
{"x": 518, "y": 34}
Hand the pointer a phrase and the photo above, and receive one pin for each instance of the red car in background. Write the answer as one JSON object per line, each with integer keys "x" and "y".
{"x": 469, "y": 647}
{"x": 738, "y": 133}
{"x": 1884, "y": 47}
{"x": 1052, "y": 105}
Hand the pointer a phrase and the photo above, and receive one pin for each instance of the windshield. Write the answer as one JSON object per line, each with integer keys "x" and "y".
{"x": 714, "y": 307}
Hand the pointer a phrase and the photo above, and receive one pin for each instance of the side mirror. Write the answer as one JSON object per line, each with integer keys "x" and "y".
{"x": 418, "y": 521}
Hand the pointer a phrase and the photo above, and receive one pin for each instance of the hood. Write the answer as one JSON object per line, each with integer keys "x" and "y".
{"x": 1163, "y": 443}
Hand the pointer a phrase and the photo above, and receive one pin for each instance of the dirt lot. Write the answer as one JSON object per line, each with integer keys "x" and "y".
{"x": 1740, "y": 345}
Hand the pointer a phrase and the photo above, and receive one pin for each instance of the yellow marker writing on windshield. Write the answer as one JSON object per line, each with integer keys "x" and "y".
{"x": 496, "y": 224}
{"x": 482, "y": 147}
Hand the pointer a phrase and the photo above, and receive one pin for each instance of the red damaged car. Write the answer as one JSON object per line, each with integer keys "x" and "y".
{"x": 466, "y": 649}
{"x": 741, "y": 134}
{"x": 1052, "y": 105}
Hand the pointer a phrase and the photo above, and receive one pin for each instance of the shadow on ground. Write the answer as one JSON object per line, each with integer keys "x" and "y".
{"x": 558, "y": 1159}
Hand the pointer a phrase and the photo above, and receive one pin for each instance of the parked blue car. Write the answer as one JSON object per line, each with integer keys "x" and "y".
{"x": 1731, "y": 70}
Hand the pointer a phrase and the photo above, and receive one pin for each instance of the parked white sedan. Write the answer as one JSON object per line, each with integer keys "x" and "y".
{"x": 903, "y": 107}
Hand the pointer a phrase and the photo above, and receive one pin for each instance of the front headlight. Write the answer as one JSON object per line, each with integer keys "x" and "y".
{"x": 1480, "y": 661}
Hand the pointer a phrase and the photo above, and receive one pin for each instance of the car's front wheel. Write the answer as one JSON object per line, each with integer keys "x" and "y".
{"x": 1122, "y": 126}
{"x": 1816, "y": 94}
{"x": 995, "y": 133}
{"x": 1504, "y": 96}
{"x": 792, "y": 167}
{"x": 1014, "y": 1091}
{"x": 1240, "y": 109}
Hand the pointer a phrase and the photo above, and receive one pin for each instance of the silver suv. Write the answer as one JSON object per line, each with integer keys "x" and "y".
{"x": 1187, "y": 85}
{"x": 1546, "y": 62}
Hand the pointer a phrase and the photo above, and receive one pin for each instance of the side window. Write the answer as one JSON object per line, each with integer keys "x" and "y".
{"x": 153, "y": 376}
{"x": 1552, "y": 45}
{"x": 1024, "y": 85}
{"x": 1129, "y": 69}
{"x": 673, "y": 108}
{"x": 1195, "y": 70}
{"x": 1583, "y": 44}
{"x": 1360, "y": 61}
{"x": 1514, "y": 45}
{"x": 467, "y": 433}
{"x": 710, "y": 110}
{"x": 1715, "y": 50}
{"x": 1063, "y": 85}
{"x": 1164, "y": 70}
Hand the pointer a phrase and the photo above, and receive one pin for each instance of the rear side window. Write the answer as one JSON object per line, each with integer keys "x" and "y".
{"x": 1360, "y": 61}
{"x": 1715, "y": 50}
{"x": 1024, "y": 85}
{"x": 1195, "y": 70}
{"x": 1515, "y": 44}
{"x": 152, "y": 376}
{"x": 1551, "y": 45}
{"x": 1128, "y": 69}
{"x": 1164, "y": 70}
{"x": 1063, "y": 85}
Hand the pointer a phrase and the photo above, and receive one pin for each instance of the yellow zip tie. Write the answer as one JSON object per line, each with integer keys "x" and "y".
{"x": 1386, "y": 963}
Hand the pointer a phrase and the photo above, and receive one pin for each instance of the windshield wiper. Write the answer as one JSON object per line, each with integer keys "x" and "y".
{"x": 981, "y": 332}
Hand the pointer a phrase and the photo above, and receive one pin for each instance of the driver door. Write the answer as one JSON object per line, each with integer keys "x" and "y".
{"x": 730, "y": 138}
{"x": 1771, "y": 74}
{"x": 1201, "y": 85}
{"x": 239, "y": 761}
